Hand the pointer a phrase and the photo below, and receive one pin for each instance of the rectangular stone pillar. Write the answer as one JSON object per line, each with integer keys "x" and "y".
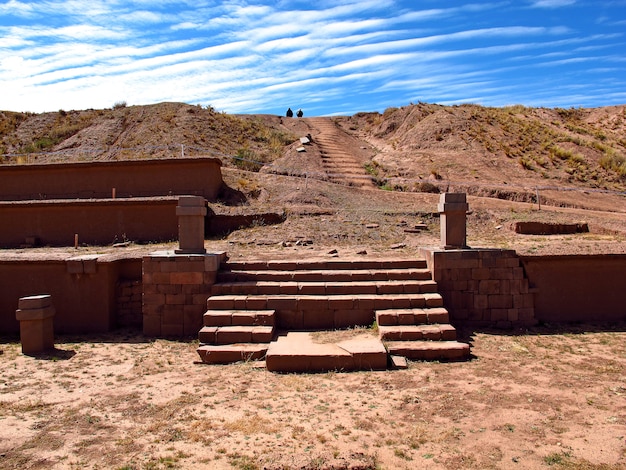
{"x": 453, "y": 209}
{"x": 191, "y": 211}
{"x": 36, "y": 314}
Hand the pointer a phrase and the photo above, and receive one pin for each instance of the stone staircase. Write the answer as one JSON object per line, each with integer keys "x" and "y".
{"x": 272, "y": 309}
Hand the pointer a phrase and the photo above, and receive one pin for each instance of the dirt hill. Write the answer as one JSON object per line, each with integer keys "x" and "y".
{"x": 339, "y": 175}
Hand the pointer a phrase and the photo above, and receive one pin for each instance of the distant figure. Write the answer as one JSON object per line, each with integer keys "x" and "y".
{"x": 289, "y": 112}
{"x": 300, "y": 113}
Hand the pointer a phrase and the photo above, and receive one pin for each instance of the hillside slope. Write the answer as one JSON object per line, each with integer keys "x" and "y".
{"x": 500, "y": 152}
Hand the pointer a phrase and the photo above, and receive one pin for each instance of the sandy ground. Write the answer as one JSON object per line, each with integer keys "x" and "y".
{"x": 545, "y": 398}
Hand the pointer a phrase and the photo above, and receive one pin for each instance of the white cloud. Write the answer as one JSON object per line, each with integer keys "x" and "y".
{"x": 552, "y": 3}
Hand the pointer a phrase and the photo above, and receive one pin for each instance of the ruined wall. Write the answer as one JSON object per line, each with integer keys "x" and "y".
{"x": 578, "y": 288}
{"x": 130, "y": 178}
{"x": 83, "y": 290}
{"x": 97, "y": 222}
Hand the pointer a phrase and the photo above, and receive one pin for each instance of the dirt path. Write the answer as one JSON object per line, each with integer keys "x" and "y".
{"x": 339, "y": 154}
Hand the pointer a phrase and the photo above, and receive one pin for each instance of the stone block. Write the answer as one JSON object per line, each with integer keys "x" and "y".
{"x": 513, "y": 314}
{"x": 34, "y": 302}
{"x": 481, "y": 273}
{"x": 152, "y": 325}
{"x": 500, "y": 301}
{"x": 489, "y": 287}
{"x": 175, "y": 299}
{"x": 74, "y": 266}
{"x": 175, "y": 330}
{"x": 481, "y": 301}
{"x": 318, "y": 319}
{"x": 499, "y": 314}
{"x": 501, "y": 273}
{"x": 353, "y": 317}
{"x": 153, "y": 299}
{"x": 186, "y": 278}
{"x": 342, "y": 302}
{"x": 290, "y": 319}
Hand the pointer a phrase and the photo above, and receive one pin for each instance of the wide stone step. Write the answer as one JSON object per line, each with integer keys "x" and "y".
{"x": 429, "y": 350}
{"x": 298, "y": 352}
{"x": 324, "y": 302}
{"x": 235, "y": 334}
{"x": 324, "y": 288}
{"x": 417, "y": 332}
{"x": 412, "y": 316}
{"x": 239, "y": 317}
{"x": 230, "y": 353}
{"x": 332, "y": 264}
{"x": 325, "y": 275}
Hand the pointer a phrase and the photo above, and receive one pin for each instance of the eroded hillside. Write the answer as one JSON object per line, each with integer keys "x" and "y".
{"x": 500, "y": 152}
{"x": 481, "y": 149}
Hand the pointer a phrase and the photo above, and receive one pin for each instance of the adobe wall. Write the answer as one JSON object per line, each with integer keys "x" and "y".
{"x": 96, "y": 221}
{"x": 83, "y": 290}
{"x": 578, "y": 288}
{"x": 130, "y": 178}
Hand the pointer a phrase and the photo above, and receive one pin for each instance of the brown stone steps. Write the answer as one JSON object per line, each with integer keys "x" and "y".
{"x": 429, "y": 350}
{"x": 324, "y": 302}
{"x": 230, "y": 353}
{"x": 325, "y": 264}
{"x": 326, "y": 275}
{"x": 325, "y": 288}
{"x": 234, "y": 334}
{"x": 415, "y": 316}
{"x": 417, "y": 333}
{"x": 239, "y": 317}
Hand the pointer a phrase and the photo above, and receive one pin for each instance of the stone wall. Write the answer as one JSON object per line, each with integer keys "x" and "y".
{"x": 83, "y": 289}
{"x": 175, "y": 292}
{"x": 482, "y": 287}
{"x": 578, "y": 288}
{"x": 95, "y": 221}
{"x": 94, "y": 180}
{"x": 128, "y": 303}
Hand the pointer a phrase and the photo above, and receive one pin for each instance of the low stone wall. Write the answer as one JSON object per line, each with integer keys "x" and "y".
{"x": 96, "y": 180}
{"x": 482, "y": 287}
{"x": 83, "y": 289}
{"x": 96, "y": 221}
{"x": 128, "y": 303}
{"x": 175, "y": 292}
{"x": 578, "y": 288}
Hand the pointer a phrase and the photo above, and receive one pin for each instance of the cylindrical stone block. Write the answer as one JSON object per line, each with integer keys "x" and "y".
{"x": 36, "y": 316}
{"x": 191, "y": 211}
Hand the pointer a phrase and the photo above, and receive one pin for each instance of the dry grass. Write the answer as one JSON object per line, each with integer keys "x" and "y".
{"x": 540, "y": 399}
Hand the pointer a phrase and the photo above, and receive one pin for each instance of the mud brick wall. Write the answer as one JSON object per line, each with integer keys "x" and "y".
{"x": 128, "y": 296}
{"x": 175, "y": 292}
{"x": 483, "y": 287}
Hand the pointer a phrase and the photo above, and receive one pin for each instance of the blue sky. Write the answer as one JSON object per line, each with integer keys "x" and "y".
{"x": 326, "y": 57}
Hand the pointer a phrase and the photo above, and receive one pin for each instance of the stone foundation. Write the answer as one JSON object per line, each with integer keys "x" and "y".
{"x": 175, "y": 291}
{"x": 482, "y": 287}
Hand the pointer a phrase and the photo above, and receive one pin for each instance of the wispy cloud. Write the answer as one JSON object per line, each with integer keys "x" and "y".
{"x": 244, "y": 56}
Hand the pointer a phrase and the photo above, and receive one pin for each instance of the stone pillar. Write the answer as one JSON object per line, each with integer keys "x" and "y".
{"x": 191, "y": 211}
{"x": 36, "y": 315}
{"x": 453, "y": 208}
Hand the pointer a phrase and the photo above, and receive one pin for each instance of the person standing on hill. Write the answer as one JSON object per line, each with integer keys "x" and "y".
{"x": 289, "y": 112}
{"x": 300, "y": 113}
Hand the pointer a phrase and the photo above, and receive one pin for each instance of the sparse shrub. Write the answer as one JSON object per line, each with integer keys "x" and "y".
{"x": 119, "y": 105}
{"x": 526, "y": 163}
{"x": 244, "y": 160}
{"x": 426, "y": 187}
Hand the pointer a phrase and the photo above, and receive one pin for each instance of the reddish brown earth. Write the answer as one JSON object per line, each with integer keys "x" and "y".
{"x": 551, "y": 397}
